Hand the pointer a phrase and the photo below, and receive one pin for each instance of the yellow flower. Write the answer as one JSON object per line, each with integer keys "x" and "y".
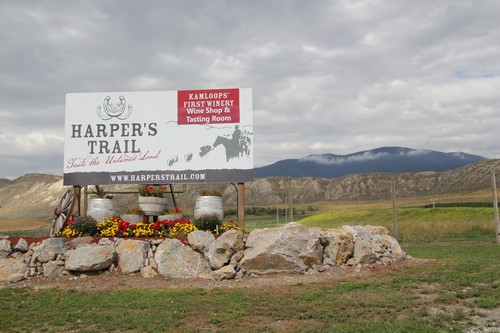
{"x": 229, "y": 225}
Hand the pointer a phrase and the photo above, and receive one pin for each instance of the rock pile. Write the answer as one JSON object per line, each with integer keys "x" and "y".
{"x": 292, "y": 248}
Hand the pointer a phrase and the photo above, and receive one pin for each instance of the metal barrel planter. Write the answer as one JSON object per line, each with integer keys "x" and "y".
{"x": 171, "y": 217}
{"x": 132, "y": 218}
{"x": 101, "y": 208}
{"x": 208, "y": 205}
{"x": 153, "y": 205}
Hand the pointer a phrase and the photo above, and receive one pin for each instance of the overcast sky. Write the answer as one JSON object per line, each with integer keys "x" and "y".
{"x": 327, "y": 76}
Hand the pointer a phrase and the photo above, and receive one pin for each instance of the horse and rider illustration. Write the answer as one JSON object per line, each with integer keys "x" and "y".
{"x": 236, "y": 146}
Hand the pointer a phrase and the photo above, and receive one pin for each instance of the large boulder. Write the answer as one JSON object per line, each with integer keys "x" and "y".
{"x": 291, "y": 248}
{"x": 176, "y": 260}
{"x": 372, "y": 248}
{"x": 392, "y": 249}
{"x": 338, "y": 246}
{"x": 11, "y": 268}
{"x": 132, "y": 255}
{"x": 92, "y": 257}
{"x": 224, "y": 247}
{"x": 79, "y": 242}
{"x": 201, "y": 240}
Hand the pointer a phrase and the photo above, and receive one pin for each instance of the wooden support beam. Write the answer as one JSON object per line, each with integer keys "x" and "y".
{"x": 241, "y": 205}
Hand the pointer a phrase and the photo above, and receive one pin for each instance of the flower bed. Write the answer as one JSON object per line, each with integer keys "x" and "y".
{"x": 291, "y": 248}
{"x": 117, "y": 227}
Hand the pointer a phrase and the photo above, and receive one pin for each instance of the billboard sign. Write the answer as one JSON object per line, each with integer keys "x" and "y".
{"x": 159, "y": 137}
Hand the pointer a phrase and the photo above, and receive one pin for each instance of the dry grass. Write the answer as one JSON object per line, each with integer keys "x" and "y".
{"x": 9, "y": 225}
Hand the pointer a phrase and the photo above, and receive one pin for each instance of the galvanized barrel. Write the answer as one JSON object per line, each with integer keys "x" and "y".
{"x": 208, "y": 205}
{"x": 153, "y": 205}
{"x": 132, "y": 218}
{"x": 101, "y": 208}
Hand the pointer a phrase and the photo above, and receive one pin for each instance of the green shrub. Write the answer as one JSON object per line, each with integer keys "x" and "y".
{"x": 208, "y": 222}
{"x": 83, "y": 225}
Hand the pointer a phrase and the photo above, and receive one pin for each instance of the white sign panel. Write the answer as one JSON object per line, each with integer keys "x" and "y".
{"x": 163, "y": 137}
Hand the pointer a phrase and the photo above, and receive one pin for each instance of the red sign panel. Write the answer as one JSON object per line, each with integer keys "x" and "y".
{"x": 215, "y": 106}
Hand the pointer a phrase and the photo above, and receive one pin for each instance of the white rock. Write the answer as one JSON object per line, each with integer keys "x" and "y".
{"x": 52, "y": 269}
{"x": 224, "y": 247}
{"x": 148, "y": 272}
{"x": 90, "y": 258}
{"x": 50, "y": 248}
{"x": 16, "y": 277}
{"x": 4, "y": 248}
{"x": 132, "y": 255}
{"x": 201, "y": 240}
{"x": 224, "y": 273}
{"x": 290, "y": 248}
{"x": 338, "y": 245}
{"x": 176, "y": 260}
{"x": 11, "y": 266}
{"x": 21, "y": 246}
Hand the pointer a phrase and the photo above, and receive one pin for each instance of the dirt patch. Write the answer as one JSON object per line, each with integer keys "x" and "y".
{"x": 115, "y": 281}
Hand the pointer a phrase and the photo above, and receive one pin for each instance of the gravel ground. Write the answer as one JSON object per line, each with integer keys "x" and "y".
{"x": 90, "y": 282}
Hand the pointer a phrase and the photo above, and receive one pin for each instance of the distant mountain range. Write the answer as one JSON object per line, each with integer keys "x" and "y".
{"x": 385, "y": 160}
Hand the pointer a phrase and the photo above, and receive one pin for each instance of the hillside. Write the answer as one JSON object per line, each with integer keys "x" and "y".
{"x": 34, "y": 196}
{"x": 4, "y": 182}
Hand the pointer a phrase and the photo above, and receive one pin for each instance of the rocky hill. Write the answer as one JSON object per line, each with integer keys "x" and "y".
{"x": 34, "y": 196}
{"x": 372, "y": 186}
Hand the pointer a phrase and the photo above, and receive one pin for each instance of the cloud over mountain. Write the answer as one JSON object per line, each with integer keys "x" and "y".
{"x": 385, "y": 159}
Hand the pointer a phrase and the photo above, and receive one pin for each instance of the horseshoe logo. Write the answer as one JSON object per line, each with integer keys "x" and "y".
{"x": 109, "y": 110}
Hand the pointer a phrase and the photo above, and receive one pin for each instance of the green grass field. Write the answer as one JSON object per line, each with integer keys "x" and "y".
{"x": 458, "y": 290}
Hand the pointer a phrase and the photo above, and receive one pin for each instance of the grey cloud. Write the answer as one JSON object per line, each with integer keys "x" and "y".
{"x": 322, "y": 159}
{"x": 327, "y": 76}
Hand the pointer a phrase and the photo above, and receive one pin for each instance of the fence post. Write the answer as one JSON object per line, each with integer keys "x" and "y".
{"x": 495, "y": 206}
{"x": 394, "y": 207}
{"x": 290, "y": 197}
{"x": 241, "y": 205}
{"x": 83, "y": 210}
